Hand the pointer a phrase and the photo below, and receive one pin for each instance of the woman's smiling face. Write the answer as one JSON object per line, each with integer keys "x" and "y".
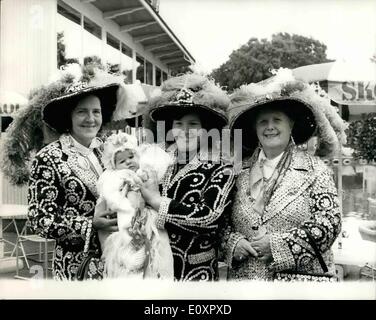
{"x": 187, "y": 131}
{"x": 273, "y": 130}
{"x": 86, "y": 120}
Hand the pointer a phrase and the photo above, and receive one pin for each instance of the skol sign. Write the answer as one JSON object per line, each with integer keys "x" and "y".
{"x": 353, "y": 92}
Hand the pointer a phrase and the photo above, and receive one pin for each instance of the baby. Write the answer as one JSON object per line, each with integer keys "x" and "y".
{"x": 138, "y": 249}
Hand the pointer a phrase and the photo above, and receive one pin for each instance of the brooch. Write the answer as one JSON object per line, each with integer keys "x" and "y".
{"x": 83, "y": 162}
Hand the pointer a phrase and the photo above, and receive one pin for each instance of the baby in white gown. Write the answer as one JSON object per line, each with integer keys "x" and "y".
{"x": 138, "y": 249}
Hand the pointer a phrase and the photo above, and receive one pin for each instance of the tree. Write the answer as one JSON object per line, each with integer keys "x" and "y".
{"x": 95, "y": 61}
{"x": 180, "y": 70}
{"x": 361, "y": 137}
{"x": 253, "y": 61}
{"x": 61, "y": 59}
{"x": 61, "y": 55}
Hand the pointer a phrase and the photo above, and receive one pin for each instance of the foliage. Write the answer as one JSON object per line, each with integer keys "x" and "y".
{"x": 361, "y": 137}
{"x": 61, "y": 55}
{"x": 180, "y": 70}
{"x": 93, "y": 61}
{"x": 253, "y": 61}
{"x": 61, "y": 58}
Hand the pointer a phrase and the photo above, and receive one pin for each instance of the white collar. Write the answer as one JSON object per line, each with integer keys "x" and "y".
{"x": 269, "y": 165}
{"x": 95, "y": 143}
{"x": 271, "y": 162}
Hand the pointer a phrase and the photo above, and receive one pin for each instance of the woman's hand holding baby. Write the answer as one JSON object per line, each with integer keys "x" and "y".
{"x": 150, "y": 191}
{"x": 130, "y": 177}
{"x": 143, "y": 175}
{"x": 104, "y": 219}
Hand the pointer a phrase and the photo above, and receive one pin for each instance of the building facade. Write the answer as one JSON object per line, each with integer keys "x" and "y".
{"x": 37, "y": 36}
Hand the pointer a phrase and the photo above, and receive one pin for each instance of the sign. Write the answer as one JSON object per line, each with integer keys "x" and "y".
{"x": 8, "y": 109}
{"x": 353, "y": 92}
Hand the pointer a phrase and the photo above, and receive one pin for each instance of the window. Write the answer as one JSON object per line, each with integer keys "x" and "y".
{"x": 140, "y": 68}
{"x": 69, "y": 44}
{"x": 68, "y": 12}
{"x": 126, "y": 50}
{"x": 113, "y": 42}
{"x": 112, "y": 58}
{"x": 92, "y": 28}
{"x": 92, "y": 43}
{"x": 126, "y": 62}
{"x": 165, "y": 77}
{"x": 158, "y": 76}
{"x": 149, "y": 73}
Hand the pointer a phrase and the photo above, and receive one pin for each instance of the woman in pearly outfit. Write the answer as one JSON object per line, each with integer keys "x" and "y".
{"x": 62, "y": 190}
{"x": 195, "y": 193}
{"x": 283, "y": 193}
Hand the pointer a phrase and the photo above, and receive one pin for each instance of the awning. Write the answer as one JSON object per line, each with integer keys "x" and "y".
{"x": 10, "y": 102}
{"x": 348, "y": 83}
{"x": 313, "y": 72}
{"x": 140, "y": 19}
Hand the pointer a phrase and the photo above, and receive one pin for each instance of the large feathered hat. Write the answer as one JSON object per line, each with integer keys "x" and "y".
{"x": 190, "y": 93}
{"x": 47, "y": 114}
{"x": 308, "y": 105}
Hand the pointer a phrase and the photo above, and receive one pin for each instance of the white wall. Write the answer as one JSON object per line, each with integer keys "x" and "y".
{"x": 28, "y": 41}
{"x": 28, "y": 44}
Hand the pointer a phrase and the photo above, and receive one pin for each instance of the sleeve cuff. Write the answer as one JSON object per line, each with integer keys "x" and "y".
{"x": 231, "y": 245}
{"x": 281, "y": 252}
{"x": 162, "y": 212}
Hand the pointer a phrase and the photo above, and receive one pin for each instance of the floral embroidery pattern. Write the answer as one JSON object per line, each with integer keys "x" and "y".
{"x": 201, "y": 193}
{"x": 60, "y": 205}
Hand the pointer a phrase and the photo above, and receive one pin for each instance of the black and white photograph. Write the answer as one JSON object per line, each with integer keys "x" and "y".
{"x": 188, "y": 149}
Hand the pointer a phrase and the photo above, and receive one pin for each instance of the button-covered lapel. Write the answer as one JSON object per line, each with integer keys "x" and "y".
{"x": 297, "y": 179}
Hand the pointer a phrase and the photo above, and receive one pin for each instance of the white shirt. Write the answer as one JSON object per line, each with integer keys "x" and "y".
{"x": 89, "y": 153}
{"x": 269, "y": 165}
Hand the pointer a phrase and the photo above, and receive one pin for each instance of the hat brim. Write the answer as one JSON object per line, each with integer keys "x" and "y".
{"x": 298, "y": 110}
{"x": 57, "y": 113}
{"x": 210, "y": 118}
